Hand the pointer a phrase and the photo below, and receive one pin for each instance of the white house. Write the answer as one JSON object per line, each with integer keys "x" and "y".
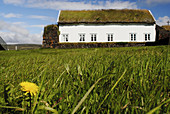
{"x": 86, "y": 26}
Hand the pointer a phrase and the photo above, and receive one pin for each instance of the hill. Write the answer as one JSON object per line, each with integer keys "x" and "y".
{"x": 23, "y": 46}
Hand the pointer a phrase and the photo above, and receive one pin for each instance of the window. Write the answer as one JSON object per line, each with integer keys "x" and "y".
{"x": 82, "y": 37}
{"x": 133, "y": 36}
{"x": 93, "y": 37}
{"x": 65, "y": 37}
{"x": 147, "y": 37}
{"x": 110, "y": 37}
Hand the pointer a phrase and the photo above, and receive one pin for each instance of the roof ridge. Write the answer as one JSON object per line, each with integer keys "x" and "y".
{"x": 104, "y": 9}
{"x": 106, "y": 15}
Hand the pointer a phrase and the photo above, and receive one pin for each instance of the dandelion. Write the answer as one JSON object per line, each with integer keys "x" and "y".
{"x": 29, "y": 87}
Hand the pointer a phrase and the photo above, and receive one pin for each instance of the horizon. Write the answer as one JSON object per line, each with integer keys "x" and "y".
{"x": 23, "y": 21}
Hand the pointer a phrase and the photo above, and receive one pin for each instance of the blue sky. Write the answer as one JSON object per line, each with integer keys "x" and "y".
{"x": 22, "y": 21}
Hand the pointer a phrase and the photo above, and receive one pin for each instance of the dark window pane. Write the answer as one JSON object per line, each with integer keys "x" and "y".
{"x": 80, "y": 38}
{"x": 145, "y": 37}
{"x": 134, "y": 37}
{"x": 131, "y": 37}
{"x": 108, "y": 37}
{"x": 111, "y": 37}
{"x": 92, "y": 37}
{"x": 84, "y": 38}
{"x": 148, "y": 36}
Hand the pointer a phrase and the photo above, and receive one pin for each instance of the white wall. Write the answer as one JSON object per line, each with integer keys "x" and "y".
{"x": 121, "y": 33}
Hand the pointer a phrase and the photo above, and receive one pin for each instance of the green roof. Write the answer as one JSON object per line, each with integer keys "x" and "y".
{"x": 166, "y": 27}
{"x": 106, "y": 16}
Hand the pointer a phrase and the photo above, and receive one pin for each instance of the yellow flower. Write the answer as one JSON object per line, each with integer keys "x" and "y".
{"x": 29, "y": 88}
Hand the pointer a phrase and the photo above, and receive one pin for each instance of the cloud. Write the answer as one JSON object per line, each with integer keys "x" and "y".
{"x": 150, "y": 2}
{"x": 58, "y": 5}
{"x": 39, "y": 26}
{"x": 11, "y": 15}
{"x": 25, "y": 25}
{"x": 46, "y": 18}
{"x": 163, "y": 20}
{"x": 15, "y": 2}
{"x": 66, "y": 4}
{"x": 19, "y": 23}
{"x": 14, "y": 38}
{"x": 12, "y": 28}
{"x": 12, "y": 33}
{"x": 40, "y": 17}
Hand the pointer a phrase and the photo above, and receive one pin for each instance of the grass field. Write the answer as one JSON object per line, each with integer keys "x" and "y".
{"x": 100, "y": 80}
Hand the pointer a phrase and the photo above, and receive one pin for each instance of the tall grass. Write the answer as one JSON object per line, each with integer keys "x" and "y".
{"x": 83, "y": 80}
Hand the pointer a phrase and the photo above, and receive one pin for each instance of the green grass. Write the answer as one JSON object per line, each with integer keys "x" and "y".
{"x": 99, "y": 80}
{"x": 111, "y": 15}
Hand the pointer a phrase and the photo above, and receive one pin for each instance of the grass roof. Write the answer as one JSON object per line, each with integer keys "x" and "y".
{"x": 106, "y": 16}
{"x": 166, "y": 27}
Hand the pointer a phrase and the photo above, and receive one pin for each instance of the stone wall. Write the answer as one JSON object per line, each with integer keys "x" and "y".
{"x": 50, "y": 36}
{"x": 96, "y": 45}
{"x": 162, "y": 36}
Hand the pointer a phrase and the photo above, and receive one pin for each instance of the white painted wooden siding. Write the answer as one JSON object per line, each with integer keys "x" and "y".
{"x": 121, "y": 33}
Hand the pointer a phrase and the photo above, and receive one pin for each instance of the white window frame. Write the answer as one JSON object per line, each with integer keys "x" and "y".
{"x": 109, "y": 37}
{"x": 82, "y": 37}
{"x": 147, "y": 36}
{"x": 65, "y": 37}
{"x": 133, "y": 37}
{"x": 93, "y": 37}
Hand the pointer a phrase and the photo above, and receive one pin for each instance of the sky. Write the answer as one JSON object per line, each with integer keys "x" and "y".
{"x": 23, "y": 21}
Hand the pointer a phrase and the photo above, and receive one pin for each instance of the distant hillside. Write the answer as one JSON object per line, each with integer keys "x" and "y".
{"x": 23, "y": 46}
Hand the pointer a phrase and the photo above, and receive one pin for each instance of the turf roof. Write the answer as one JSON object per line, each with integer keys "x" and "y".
{"x": 166, "y": 27}
{"x": 106, "y": 16}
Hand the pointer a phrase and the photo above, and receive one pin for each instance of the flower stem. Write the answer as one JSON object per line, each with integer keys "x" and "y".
{"x": 30, "y": 100}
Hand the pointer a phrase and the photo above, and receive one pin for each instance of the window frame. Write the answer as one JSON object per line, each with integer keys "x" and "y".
{"x": 65, "y": 37}
{"x": 133, "y": 37}
{"x": 82, "y": 37}
{"x": 147, "y": 36}
{"x": 93, "y": 37}
{"x": 110, "y": 37}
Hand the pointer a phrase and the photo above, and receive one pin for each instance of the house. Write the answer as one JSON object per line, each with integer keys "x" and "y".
{"x": 107, "y": 25}
{"x": 3, "y": 45}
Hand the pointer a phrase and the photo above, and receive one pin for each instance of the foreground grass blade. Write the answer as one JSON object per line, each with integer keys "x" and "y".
{"x": 85, "y": 96}
{"x": 36, "y": 98}
{"x": 49, "y": 109}
{"x": 17, "y": 108}
{"x": 112, "y": 89}
{"x": 156, "y": 108}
